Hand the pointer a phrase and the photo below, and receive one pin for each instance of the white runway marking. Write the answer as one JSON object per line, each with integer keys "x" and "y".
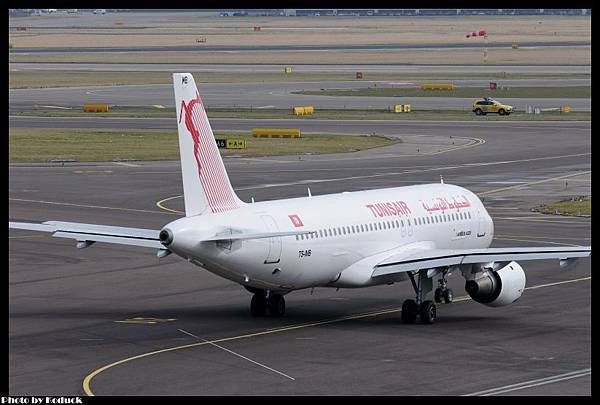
{"x": 533, "y": 383}
{"x": 88, "y": 379}
{"x": 126, "y": 164}
{"x": 55, "y": 106}
{"x": 237, "y": 354}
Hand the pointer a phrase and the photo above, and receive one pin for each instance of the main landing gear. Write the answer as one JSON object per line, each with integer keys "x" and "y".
{"x": 265, "y": 300}
{"x": 426, "y": 310}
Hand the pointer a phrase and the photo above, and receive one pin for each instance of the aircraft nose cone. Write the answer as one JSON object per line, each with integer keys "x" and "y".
{"x": 165, "y": 236}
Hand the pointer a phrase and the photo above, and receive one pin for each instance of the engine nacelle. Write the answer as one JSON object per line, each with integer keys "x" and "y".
{"x": 498, "y": 288}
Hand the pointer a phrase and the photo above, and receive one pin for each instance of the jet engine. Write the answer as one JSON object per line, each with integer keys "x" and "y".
{"x": 498, "y": 288}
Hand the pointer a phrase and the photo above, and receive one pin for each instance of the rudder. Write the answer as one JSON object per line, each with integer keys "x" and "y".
{"x": 206, "y": 186}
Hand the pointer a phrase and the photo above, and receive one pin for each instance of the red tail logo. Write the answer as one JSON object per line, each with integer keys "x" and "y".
{"x": 211, "y": 171}
{"x": 189, "y": 124}
{"x": 296, "y": 221}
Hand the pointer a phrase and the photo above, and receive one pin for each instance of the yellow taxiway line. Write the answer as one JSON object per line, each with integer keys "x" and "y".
{"x": 88, "y": 379}
{"x": 85, "y": 206}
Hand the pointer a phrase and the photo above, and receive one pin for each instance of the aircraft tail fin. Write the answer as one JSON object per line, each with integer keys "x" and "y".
{"x": 206, "y": 186}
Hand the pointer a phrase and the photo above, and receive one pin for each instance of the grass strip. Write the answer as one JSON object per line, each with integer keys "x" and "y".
{"x": 18, "y": 79}
{"x": 576, "y": 206}
{"x": 98, "y": 145}
{"x": 464, "y": 92}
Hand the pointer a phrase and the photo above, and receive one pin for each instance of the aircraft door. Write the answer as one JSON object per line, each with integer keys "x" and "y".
{"x": 274, "y": 252}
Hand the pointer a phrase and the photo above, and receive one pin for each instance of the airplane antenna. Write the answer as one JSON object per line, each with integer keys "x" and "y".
{"x": 309, "y": 194}
{"x": 441, "y": 179}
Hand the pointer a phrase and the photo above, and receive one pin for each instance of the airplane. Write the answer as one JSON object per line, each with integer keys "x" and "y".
{"x": 344, "y": 240}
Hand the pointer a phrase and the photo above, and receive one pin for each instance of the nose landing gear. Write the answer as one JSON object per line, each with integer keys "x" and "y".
{"x": 263, "y": 300}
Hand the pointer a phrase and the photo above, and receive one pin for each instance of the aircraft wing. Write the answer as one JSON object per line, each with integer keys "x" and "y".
{"x": 432, "y": 258}
{"x": 87, "y": 234}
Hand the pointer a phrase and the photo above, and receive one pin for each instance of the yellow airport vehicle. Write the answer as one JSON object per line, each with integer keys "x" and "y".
{"x": 488, "y": 105}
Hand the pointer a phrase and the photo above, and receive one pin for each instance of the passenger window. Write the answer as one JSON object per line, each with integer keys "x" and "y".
{"x": 402, "y": 223}
{"x": 408, "y": 220}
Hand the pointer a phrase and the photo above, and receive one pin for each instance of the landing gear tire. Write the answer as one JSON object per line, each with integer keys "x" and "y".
{"x": 427, "y": 312}
{"x": 276, "y": 305}
{"x": 448, "y": 296}
{"x": 409, "y": 311}
{"x": 438, "y": 295}
{"x": 258, "y": 305}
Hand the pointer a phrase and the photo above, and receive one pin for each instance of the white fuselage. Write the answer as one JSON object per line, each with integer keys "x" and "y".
{"x": 349, "y": 227}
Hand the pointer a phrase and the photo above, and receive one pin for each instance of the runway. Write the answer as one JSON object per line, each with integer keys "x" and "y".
{"x": 365, "y": 68}
{"x": 72, "y": 326}
{"x": 291, "y": 48}
{"x": 279, "y": 95}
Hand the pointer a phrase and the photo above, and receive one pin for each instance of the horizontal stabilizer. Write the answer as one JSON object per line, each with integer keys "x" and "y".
{"x": 95, "y": 233}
